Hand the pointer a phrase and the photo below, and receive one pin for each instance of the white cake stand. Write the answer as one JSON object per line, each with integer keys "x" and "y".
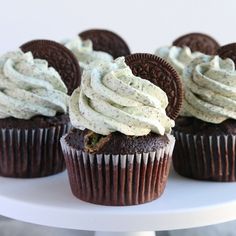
{"x": 185, "y": 203}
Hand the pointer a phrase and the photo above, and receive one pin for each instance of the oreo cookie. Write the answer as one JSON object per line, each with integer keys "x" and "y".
{"x": 106, "y": 41}
{"x": 198, "y": 42}
{"x": 228, "y": 51}
{"x": 160, "y": 73}
{"x": 58, "y": 57}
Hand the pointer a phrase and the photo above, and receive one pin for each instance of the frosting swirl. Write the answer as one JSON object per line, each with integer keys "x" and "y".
{"x": 28, "y": 87}
{"x": 112, "y": 99}
{"x": 210, "y": 89}
{"x": 178, "y": 57}
{"x": 83, "y": 50}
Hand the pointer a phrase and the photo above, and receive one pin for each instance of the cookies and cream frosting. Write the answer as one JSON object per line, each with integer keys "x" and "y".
{"x": 83, "y": 50}
{"x": 210, "y": 89}
{"x": 29, "y": 87}
{"x": 178, "y": 57}
{"x": 111, "y": 99}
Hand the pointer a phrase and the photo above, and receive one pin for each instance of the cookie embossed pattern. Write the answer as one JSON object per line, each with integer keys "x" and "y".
{"x": 159, "y": 72}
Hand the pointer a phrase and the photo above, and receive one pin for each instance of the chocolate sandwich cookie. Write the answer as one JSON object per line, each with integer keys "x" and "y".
{"x": 160, "y": 73}
{"x": 198, "y": 42}
{"x": 106, "y": 41}
{"x": 228, "y": 51}
{"x": 59, "y": 57}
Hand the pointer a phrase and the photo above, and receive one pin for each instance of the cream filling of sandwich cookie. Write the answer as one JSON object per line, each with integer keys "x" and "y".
{"x": 178, "y": 57}
{"x": 83, "y": 50}
{"x": 210, "y": 89}
{"x": 28, "y": 87}
{"x": 111, "y": 99}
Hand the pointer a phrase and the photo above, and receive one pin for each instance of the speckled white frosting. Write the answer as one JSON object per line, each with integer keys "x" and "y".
{"x": 111, "y": 99}
{"x": 28, "y": 87}
{"x": 83, "y": 50}
{"x": 210, "y": 89}
{"x": 178, "y": 57}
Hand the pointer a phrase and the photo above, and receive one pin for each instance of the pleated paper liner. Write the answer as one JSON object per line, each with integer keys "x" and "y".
{"x": 118, "y": 180}
{"x": 30, "y": 153}
{"x": 205, "y": 157}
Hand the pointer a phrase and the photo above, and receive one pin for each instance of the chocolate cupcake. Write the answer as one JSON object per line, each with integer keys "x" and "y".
{"x": 205, "y": 132}
{"x": 33, "y": 115}
{"x": 97, "y": 45}
{"x": 120, "y": 149}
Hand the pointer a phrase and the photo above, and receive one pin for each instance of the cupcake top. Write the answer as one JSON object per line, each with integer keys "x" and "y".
{"x": 111, "y": 99}
{"x": 28, "y": 87}
{"x": 83, "y": 50}
{"x": 178, "y": 57}
{"x": 210, "y": 89}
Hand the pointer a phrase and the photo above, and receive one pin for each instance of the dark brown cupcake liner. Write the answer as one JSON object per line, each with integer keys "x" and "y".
{"x": 30, "y": 153}
{"x": 205, "y": 157}
{"x": 118, "y": 180}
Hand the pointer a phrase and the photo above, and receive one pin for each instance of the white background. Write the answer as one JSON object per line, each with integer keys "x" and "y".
{"x": 145, "y": 24}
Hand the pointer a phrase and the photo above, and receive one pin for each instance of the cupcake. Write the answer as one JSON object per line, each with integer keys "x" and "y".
{"x": 120, "y": 149}
{"x": 33, "y": 115}
{"x": 205, "y": 131}
{"x": 97, "y": 45}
